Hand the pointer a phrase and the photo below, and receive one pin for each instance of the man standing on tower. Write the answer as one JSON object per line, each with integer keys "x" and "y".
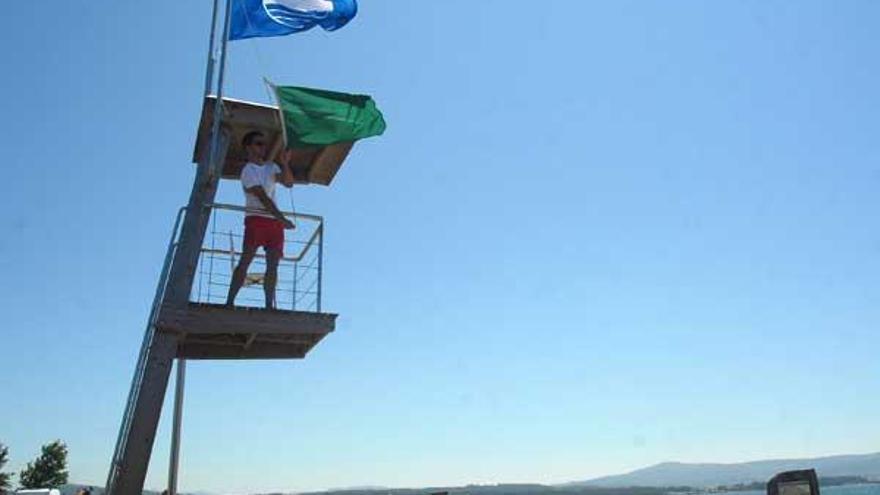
{"x": 264, "y": 223}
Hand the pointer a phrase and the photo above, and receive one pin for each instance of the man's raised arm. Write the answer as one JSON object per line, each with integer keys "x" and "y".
{"x": 286, "y": 175}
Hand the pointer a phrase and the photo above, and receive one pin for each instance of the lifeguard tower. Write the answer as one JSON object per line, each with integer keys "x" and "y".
{"x": 188, "y": 319}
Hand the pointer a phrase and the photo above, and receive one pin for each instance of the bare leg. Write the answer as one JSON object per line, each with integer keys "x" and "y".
{"x": 273, "y": 256}
{"x": 239, "y": 274}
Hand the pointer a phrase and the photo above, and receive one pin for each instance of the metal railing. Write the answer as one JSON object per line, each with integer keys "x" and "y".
{"x": 149, "y": 332}
{"x": 299, "y": 271}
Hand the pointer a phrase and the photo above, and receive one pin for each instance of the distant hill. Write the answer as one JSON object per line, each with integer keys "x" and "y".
{"x": 660, "y": 479}
{"x": 502, "y": 489}
{"x": 706, "y": 475}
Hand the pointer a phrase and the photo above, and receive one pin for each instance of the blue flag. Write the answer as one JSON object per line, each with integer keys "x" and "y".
{"x": 257, "y": 18}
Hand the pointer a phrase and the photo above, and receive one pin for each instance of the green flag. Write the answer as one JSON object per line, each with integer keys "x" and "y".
{"x": 315, "y": 117}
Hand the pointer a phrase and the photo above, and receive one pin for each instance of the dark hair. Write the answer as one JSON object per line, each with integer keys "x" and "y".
{"x": 249, "y": 138}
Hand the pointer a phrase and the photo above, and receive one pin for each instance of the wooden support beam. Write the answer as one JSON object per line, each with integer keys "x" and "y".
{"x": 250, "y": 340}
{"x": 241, "y": 340}
{"x": 132, "y": 468}
{"x": 287, "y": 339}
{"x": 258, "y": 350}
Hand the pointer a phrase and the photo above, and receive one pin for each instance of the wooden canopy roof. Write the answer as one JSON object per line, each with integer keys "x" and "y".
{"x": 316, "y": 165}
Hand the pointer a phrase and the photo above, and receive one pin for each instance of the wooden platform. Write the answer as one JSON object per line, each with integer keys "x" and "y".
{"x": 211, "y": 331}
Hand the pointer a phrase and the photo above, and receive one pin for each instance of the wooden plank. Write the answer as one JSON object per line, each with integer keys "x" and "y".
{"x": 209, "y": 319}
{"x": 241, "y": 340}
{"x": 310, "y": 340}
{"x": 257, "y": 350}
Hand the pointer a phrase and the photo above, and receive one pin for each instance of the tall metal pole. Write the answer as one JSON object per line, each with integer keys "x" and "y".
{"x": 175, "y": 433}
{"x": 209, "y": 69}
{"x": 174, "y": 458}
{"x": 218, "y": 104}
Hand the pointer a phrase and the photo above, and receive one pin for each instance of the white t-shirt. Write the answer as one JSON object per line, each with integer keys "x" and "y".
{"x": 254, "y": 174}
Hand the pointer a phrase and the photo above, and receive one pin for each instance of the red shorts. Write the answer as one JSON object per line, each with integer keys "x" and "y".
{"x": 265, "y": 232}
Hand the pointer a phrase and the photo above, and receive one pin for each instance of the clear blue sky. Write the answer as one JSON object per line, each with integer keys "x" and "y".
{"x": 596, "y": 235}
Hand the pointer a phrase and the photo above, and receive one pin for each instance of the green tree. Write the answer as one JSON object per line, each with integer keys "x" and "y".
{"x": 49, "y": 470}
{"x": 4, "y": 477}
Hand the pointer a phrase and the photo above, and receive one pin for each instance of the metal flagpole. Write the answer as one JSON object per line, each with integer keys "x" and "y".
{"x": 209, "y": 70}
{"x": 218, "y": 104}
{"x": 174, "y": 458}
{"x": 175, "y": 433}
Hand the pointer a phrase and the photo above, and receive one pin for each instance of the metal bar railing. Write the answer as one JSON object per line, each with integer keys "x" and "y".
{"x": 320, "y": 230}
{"x": 226, "y": 206}
{"x": 305, "y": 260}
{"x": 134, "y": 390}
{"x": 258, "y": 255}
{"x": 308, "y": 244}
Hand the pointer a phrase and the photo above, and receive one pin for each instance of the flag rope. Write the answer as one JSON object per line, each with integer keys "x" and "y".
{"x": 270, "y": 89}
